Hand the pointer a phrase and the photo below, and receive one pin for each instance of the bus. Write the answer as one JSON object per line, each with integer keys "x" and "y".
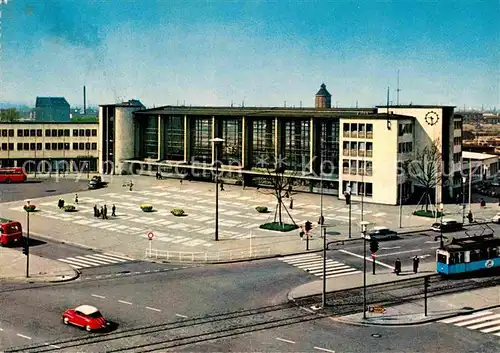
{"x": 469, "y": 255}
{"x": 11, "y": 232}
{"x": 12, "y": 175}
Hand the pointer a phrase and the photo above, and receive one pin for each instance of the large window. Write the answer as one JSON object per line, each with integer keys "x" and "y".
{"x": 151, "y": 137}
{"x": 296, "y": 144}
{"x": 230, "y": 149}
{"x": 263, "y": 143}
{"x": 201, "y": 134}
{"x": 174, "y": 138}
{"x": 329, "y": 146}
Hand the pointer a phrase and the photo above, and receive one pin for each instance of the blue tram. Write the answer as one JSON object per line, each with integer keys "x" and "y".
{"x": 468, "y": 255}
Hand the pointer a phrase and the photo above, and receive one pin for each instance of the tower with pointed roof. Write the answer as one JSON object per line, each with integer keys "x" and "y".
{"x": 323, "y": 98}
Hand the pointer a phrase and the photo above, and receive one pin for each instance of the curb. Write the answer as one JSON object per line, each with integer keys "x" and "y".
{"x": 419, "y": 322}
{"x": 76, "y": 275}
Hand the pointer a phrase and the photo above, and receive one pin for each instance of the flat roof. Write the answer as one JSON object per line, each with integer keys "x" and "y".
{"x": 416, "y": 106}
{"x": 477, "y": 155}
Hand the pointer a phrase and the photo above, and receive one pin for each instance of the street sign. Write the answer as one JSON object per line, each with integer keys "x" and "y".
{"x": 150, "y": 235}
{"x": 377, "y": 309}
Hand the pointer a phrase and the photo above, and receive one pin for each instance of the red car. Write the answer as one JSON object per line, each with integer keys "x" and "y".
{"x": 86, "y": 316}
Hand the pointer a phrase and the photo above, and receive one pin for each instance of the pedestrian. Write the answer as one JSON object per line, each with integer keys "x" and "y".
{"x": 397, "y": 266}
{"x": 130, "y": 185}
{"x": 101, "y": 212}
{"x": 105, "y": 212}
{"x": 470, "y": 217}
{"x": 483, "y": 203}
{"x": 416, "y": 261}
{"x": 59, "y": 203}
{"x": 221, "y": 185}
{"x": 96, "y": 211}
{"x": 76, "y": 199}
{"x": 113, "y": 211}
{"x": 291, "y": 203}
{"x": 180, "y": 181}
{"x": 321, "y": 220}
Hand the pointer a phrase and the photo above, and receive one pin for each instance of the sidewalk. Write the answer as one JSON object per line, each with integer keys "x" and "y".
{"x": 41, "y": 269}
{"x": 412, "y": 313}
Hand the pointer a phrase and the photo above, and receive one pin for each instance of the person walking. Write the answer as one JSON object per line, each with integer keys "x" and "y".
{"x": 113, "y": 211}
{"x": 101, "y": 212}
{"x": 96, "y": 211}
{"x": 291, "y": 203}
{"x": 221, "y": 185}
{"x": 416, "y": 261}
{"x": 105, "y": 212}
{"x": 76, "y": 199}
{"x": 130, "y": 185}
{"x": 397, "y": 266}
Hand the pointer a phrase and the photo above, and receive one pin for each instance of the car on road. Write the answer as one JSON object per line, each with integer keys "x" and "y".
{"x": 96, "y": 182}
{"x": 381, "y": 233}
{"x": 447, "y": 225}
{"x": 85, "y": 316}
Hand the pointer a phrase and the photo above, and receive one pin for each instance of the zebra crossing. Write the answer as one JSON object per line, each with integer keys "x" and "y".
{"x": 94, "y": 260}
{"x": 313, "y": 264}
{"x": 484, "y": 321}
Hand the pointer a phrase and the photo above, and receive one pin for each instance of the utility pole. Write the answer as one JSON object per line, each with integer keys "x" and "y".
{"x": 397, "y": 91}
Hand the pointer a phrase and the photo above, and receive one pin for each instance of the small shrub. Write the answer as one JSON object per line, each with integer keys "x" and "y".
{"x": 429, "y": 214}
{"x": 177, "y": 212}
{"x": 277, "y": 227}
{"x": 29, "y": 208}
{"x": 147, "y": 208}
{"x": 261, "y": 209}
{"x": 69, "y": 208}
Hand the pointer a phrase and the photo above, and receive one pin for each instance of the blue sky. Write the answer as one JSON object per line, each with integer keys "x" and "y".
{"x": 261, "y": 52}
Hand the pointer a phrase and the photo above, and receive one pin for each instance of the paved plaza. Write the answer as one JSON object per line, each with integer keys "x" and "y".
{"x": 127, "y": 233}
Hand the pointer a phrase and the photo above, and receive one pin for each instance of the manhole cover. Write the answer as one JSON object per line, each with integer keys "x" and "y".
{"x": 376, "y": 335}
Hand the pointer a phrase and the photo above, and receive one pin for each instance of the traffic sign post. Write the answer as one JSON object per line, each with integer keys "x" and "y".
{"x": 373, "y": 261}
{"x": 150, "y": 237}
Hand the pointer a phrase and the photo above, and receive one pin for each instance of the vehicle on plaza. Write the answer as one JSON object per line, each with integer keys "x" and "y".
{"x": 96, "y": 182}
{"x": 380, "y": 233}
{"x": 471, "y": 254}
{"x": 11, "y": 232}
{"x": 85, "y": 316}
{"x": 496, "y": 218}
{"x": 447, "y": 225}
{"x": 12, "y": 175}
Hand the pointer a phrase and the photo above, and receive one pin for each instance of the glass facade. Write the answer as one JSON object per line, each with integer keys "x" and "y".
{"x": 174, "y": 138}
{"x": 296, "y": 144}
{"x": 201, "y": 134}
{"x": 329, "y": 146}
{"x": 151, "y": 137}
{"x": 263, "y": 146}
{"x": 230, "y": 151}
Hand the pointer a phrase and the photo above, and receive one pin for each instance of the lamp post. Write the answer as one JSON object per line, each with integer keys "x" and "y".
{"x": 364, "y": 225}
{"x": 470, "y": 183}
{"x": 216, "y": 142}
{"x": 464, "y": 179}
{"x": 27, "y": 241}
{"x": 441, "y": 209}
{"x": 323, "y": 297}
{"x": 348, "y": 196}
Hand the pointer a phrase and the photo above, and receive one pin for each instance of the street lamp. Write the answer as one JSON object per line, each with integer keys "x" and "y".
{"x": 347, "y": 195}
{"x": 441, "y": 208}
{"x": 470, "y": 183}
{"x": 27, "y": 241}
{"x": 323, "y": 232}
{"x": 364, "y": 225}
{"x": 464, "y": 179}
{"x": 216, "y": 141}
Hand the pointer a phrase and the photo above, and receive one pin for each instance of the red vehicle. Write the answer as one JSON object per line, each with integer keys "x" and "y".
{"x": 11, "y": 232}
{"x": 12, "y": 175}
{"x": 86, "y": 316}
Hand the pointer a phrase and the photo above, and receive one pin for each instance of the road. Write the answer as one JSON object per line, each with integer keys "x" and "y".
{"x": 180, "y": 309}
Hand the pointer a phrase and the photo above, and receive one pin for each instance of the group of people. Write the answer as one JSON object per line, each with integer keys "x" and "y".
{"x": 103, "y": 211}
{"x": 397, "y": 265}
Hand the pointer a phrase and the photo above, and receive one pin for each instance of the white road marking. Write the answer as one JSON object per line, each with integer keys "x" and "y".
{"x": 137, "y": 273}
{"x": 179, "y": 315}
{"x": 284, "y": 340}
{"x": 435, "y": 247}
{"x": 154, "y": 309}
{"x": 399, "y": 252}
{"x": 465, "y": 317}
{"x": 124, "y": 302}
{"x": 324, "y": 349}
{"x": 432, "y": 242}
{"x": 52, "y": 345}
{"x": 1, "y": 329}
{"x": 391, "y": 248}
{"x": 23, "y": 336}
{"x": 367, "y": 258}
{"x": 98, "y": 296}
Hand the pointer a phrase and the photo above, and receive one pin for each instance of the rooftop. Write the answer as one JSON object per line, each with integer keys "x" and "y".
{"x": 416, "y": 106}
{"x": 323, "y": 92}
{"x": 51, "y": 101}
{"x": 130, "y": 103}
{"x": 477, "y": 155}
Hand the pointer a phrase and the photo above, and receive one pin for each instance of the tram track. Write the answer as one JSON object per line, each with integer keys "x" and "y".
{"x": 174, "y": 334}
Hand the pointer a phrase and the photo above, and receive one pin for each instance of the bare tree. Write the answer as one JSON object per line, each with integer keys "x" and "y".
{"x": 280, "y": 187}
{"x": 426, "y": 171}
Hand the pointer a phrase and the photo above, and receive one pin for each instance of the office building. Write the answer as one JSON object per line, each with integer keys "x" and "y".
{"x": 52, "y": 109}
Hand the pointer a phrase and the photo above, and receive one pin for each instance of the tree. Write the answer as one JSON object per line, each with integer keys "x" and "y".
{"x": 426, "y": 171}
{"x": 281, "y": 187}
{"x": 9, "y": 115}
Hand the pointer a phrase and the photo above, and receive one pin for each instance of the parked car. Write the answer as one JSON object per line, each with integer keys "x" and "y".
{"x": 96, "y": 182}
{"x": 447, "y": 225}
{"x": 381, "y": 233}
{"x": 85, "y": 316}
{"x": 496, "y": 218}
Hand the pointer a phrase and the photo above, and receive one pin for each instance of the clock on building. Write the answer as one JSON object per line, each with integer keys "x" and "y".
{"x": 431, "y": 118}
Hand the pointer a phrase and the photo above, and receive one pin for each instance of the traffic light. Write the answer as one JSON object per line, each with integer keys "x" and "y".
{"x": 308, "y": 226}
{"x": 373, "y": 245}
{"x": 25, "y": 249}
